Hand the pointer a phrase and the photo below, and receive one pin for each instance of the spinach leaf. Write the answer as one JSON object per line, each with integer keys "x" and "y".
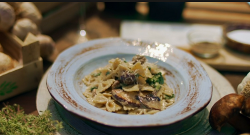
{"x": 137, "y": 75}
{"x": 160, "y": 78}
{"x": 107, "y": 73}
{"x": 149, "y": 68}
{"x": 157, "y": 86}
{"x": 92, "y": 88}
{"x": 169, "y": 97}
{"x": 97, "y": 74}
{"x": 157, "y": 78}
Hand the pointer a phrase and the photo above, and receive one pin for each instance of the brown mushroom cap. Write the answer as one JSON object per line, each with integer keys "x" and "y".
{"x": 246, "y": 107}
{"x": 224, "y": 109}
{"x": 115, "y": 85}
{"x": 47, "y": 45}
{"x": 6, "y": 62}
{"x": 139, "y": 58}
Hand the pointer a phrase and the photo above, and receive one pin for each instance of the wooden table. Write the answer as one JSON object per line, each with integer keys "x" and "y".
{"x": 101, "y": 26}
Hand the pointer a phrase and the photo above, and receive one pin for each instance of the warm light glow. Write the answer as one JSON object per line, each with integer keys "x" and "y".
{"x": 160, "y": 51}
{"x": 83, "y": 33}
{"x": 142, "y": 8}
{"x": 100, "y": 6}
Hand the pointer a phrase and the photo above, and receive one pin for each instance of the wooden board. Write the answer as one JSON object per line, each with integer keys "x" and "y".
{"x": 196, "y": 15}
{"x": 216, "y": 12}
{"x": 227, "y": 60}
{"x": 240, "y": 7}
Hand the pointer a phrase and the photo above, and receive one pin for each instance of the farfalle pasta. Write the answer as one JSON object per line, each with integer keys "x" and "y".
{"x": 135, "y": 88}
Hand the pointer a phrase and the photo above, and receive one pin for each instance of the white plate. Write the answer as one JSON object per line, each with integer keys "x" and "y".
{"x": 185, "y": 75}
{"x": 221, "y": 88}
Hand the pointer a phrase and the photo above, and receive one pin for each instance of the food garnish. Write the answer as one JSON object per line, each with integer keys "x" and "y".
{"x": 14, "y": 121}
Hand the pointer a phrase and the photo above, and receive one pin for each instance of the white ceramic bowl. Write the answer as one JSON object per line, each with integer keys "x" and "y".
{"x": 234, "y": 41}
{"x": 189, "y": 80}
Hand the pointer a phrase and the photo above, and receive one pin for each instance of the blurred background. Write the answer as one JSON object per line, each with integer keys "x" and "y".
{"x": 104, "y": 19}
{"x": 63, "y": 21}
{"x": 69, "y": 23}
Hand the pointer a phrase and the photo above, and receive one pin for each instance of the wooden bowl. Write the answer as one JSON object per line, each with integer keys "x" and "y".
{"x": 236, "y": 44}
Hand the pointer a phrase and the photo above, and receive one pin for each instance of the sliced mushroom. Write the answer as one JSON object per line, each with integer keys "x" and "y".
{"x": 139, "y": 58}
{"x": 116, "y": 85}
{"x": 128, "y": 78}
{"x": 126, "y": 98}
{"x": 150, "y": 101}
{"x": 246, "y": 107}
{"x": 93, "y": 92}
{"x": 227, "y": 109}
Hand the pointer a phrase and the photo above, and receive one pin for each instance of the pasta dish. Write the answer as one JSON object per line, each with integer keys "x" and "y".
{"x": 137, "y": 87}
